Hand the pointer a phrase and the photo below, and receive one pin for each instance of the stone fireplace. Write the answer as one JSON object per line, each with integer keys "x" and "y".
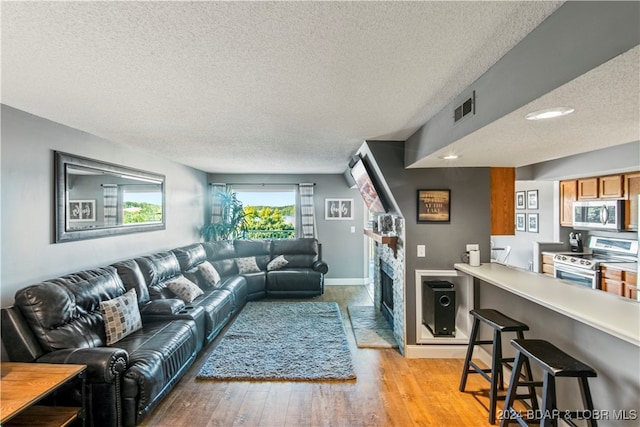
{"x": 389, "y": 287}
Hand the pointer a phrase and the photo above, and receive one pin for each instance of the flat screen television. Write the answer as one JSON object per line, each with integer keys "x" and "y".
{"x": 368, "y": 187}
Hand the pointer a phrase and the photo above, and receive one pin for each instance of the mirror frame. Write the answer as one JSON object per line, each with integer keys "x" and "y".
{"x": 61, "y": 161}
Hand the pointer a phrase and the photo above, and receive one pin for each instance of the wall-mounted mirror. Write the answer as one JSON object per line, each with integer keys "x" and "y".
{"x": 96, "y": 199}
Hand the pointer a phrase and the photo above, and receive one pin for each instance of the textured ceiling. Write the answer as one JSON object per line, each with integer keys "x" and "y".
{"x": 270, "y": 87}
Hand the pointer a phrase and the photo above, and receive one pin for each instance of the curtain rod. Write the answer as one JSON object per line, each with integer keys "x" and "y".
{"x": 262, "y": 183}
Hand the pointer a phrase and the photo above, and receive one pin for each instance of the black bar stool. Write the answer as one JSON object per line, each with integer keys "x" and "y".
{"x": 500, "y": 323}
{"x": 555, "y": 363}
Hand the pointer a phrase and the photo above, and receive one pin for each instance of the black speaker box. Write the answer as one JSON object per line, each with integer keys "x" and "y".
{"x": 439, "y": 308}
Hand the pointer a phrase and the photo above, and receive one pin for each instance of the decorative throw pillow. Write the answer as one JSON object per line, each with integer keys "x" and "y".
{"x": 184, "y": 289}
{"x": 121, "y": 316}
{"x": 247, "y": 265}
{"x": 277, "y": 263}
{"x": 209, "y": 273}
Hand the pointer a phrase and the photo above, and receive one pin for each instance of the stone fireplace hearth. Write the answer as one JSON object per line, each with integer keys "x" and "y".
{"x": 392, "y": 306}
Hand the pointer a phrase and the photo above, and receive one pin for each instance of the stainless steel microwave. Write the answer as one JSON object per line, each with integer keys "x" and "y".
{"x": 599, "y": 214}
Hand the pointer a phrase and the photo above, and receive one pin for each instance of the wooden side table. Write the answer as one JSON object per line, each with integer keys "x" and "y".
{"x": 22, "y": 385}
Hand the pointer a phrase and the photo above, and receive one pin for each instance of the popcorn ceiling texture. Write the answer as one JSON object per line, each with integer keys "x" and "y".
{"x": 298, "y": 85}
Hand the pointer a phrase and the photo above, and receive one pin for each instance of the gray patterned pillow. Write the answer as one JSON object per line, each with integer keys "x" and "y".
{"x": 277, "y": 263}
{"x": 247, "y": 265}
{"x": 209, "y": 273}
{"x": 121, "y": 316}
{"x": 184, "y": 289}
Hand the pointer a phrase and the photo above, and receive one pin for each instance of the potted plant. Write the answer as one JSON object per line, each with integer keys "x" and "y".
{"x": 232, "y": 224}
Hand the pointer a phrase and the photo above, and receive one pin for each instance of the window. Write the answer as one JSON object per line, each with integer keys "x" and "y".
{"x": 270, "y": 211}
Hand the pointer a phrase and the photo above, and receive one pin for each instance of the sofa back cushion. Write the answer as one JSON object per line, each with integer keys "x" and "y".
{"x": 222, "y": 256}
{"x": 158, "y": 269}
{"x": 299, "y": 253}
{"x": 65, "y": 312}
{"x": 260, "y": 249}
{"x": 132, "y": 278}
{"x": 189, "y": 257}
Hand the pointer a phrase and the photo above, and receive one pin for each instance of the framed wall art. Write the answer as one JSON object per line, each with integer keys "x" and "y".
{"x": 82, "y": 210}
{"x": 520, "y": 222}
{"x": 434, "y": 206}
{"x": 532, "y": 199}
{"x": 337, "y": 209}
{"x": 532, "y": 223}
{"x": 520, "y": 200}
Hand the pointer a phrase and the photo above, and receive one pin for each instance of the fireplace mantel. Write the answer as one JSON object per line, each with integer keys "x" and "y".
{"x": 391, "y": 241}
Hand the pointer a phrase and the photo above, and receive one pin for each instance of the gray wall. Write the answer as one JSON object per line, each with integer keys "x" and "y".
{"x": 28, "y": 252}
{"x": 445, "y": 243}
{"x": 343, "y": 250}
{"x": 618, "y": 159}
{"x": 578, "y": 37}
{"x": 522, "y": 242}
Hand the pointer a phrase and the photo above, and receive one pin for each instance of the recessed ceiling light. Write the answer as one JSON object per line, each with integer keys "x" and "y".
{"x": 549, "y": 113}
{"x": 450, "y": 157}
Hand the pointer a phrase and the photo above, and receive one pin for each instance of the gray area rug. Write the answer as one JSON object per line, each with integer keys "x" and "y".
{"x": 286, "y": 341}
{"x": 370, "y": 328}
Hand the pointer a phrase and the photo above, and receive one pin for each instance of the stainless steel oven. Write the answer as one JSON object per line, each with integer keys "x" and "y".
{"x": 584, "y": 268}
{"x": 578, "y": 275}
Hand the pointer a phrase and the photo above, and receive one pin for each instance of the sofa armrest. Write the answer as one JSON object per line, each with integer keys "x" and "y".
{"x": 321, "y": 267}
{"x": 162, "y": 307}
{"x": 104, "y": 364}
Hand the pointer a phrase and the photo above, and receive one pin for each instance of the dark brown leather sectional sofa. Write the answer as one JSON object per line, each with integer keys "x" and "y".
{"x": 60, "y": 321}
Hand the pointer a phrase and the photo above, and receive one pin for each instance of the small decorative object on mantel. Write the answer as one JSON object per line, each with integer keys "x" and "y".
{"x": 520, "y": 200}
{"x": 386, "y": 225}
{"x": 532, "y": 199}
{"x": 434, "y": 206}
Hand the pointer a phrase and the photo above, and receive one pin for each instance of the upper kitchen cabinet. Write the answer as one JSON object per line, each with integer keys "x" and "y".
{"x": 503, "y": 212}
{"x": 587, "y": 188}
{"x": 568, "y": 195}
{"x": 603, "y": 187}
{"x": 632, "y": 191}
{"x": 611, "y": 187}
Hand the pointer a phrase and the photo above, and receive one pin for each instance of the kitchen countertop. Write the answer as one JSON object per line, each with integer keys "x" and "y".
{"x": 626, "y": 266}
{"x": 609, "y": 313}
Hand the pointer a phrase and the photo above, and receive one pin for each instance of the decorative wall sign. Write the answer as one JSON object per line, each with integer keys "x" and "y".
{"x": 532, "y": 199}
{"x": 520, "y": 222}
{"x": 338, "y": 209}
{"x": 434, "y": 206}
{"x": 82, "y": 210}
{"x": 520, "y": 199}
{"x": 532, "y": 223}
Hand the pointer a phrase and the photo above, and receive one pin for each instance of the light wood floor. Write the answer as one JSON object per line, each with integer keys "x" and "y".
{"x": 390, "y": 390}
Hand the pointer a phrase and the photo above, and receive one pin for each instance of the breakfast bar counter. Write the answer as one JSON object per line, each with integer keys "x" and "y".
{"x": 606, "y": 312}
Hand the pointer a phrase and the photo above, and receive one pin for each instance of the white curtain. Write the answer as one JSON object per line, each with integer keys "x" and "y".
{"x": 307, "y": 211}
{"x": 110, "y": 195}
{"x": 216, "y": 205}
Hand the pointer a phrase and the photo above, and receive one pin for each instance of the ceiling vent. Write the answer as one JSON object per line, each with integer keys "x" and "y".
{"x": 467, "y": 108}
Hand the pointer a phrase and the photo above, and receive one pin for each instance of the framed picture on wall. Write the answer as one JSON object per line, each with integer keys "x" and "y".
{"x": 520, "y": 222}
{"x": 82, "y": 210}
{"x": 532, "y": 223}
{"x": 338, "y": 209}
{"x": 532, "y": 199}
{"x": 434, "y": 206}
{"x": 520, "y": 200}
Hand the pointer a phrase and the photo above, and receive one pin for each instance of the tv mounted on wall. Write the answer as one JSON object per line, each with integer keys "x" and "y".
{"x": 368, "y": 187}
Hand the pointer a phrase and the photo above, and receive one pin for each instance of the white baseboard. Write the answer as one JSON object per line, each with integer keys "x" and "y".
{"x": 435, "y": 351}
{"x": 347, "y": 282}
